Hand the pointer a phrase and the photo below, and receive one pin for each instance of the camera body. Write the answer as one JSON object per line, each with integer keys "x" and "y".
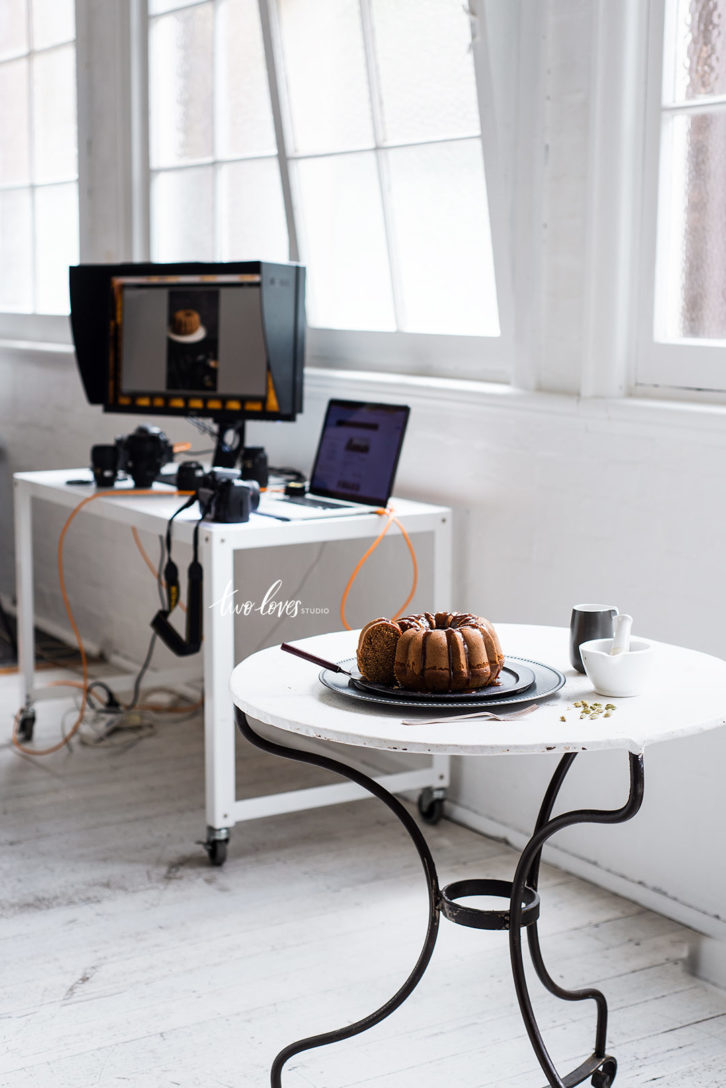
{"x": 143, "y": 453}
{"x": 140, "y": 454}
{"x": 224, "y": 497}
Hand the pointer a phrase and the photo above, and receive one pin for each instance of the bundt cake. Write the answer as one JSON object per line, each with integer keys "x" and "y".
{"x": 448, "y": 651}
{"x": 185, "y": 322}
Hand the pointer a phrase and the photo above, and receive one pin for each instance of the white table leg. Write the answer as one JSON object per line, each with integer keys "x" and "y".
{"x": 442, "y": 590}
{"x": 442, "y": 564}
{"x": 24, "y": 589}
{"x": 217, "y": 559}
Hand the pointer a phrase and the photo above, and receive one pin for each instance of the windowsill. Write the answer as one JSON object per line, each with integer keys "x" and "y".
{"x": 465, "y": 396}
{"x": 37, "y": 346}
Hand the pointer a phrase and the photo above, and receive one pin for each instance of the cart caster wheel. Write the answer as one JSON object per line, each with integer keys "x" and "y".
{"x": 605, "y": 1076}
{"x": 26, "y": 725}
{"x": 217, "y": 854}
{"x": 430, "y": 807}
{"x": 216, "y": 847}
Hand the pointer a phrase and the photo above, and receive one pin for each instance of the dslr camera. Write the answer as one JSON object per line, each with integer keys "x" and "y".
{"x": 223, "y": 496}
{"x": 140, "y": 454}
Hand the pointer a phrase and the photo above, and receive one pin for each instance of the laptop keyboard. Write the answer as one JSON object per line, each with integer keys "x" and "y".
{"x": 319, "y": 504}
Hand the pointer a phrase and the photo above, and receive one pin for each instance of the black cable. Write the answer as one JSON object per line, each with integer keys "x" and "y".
{"x": 293, "y": 473}
{"x": 142, "y": 672}
{"x": 112, "y": 702}
{"x": 152, "y": 641}
{"x": 202, "y": 425}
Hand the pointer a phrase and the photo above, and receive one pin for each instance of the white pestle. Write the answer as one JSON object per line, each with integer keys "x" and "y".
{"x": 621, "y": 633}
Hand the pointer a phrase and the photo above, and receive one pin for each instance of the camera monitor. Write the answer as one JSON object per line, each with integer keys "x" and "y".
{"x": 225, "y": 341}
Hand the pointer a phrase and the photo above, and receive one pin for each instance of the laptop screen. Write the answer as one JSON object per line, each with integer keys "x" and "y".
{"x": 358, "y": 451}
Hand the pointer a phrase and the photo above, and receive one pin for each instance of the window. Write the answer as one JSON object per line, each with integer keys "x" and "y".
{"x": 687, "y": 240}
{"x": 38, "y": 155}
{"x": 215, "y": 182}
{"x": 343, "y": 133}
{"x": 348, "y": 134}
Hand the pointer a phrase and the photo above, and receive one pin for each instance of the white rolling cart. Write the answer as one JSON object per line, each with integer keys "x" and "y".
{"x": 217, "y": 547}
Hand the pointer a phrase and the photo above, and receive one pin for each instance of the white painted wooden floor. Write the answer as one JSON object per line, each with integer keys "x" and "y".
{"x": 126, "y": 960}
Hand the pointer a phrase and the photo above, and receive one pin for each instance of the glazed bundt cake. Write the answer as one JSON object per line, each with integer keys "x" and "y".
{"x": 448, "y": 651}
{"x": 185, "y": 322}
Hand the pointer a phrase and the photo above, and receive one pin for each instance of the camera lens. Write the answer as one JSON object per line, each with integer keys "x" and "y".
{"x": 189, "y": 475}
{"x": 254, "y": 465}
{"x": 104, "y": 464}
{"x": 254, "y": 489}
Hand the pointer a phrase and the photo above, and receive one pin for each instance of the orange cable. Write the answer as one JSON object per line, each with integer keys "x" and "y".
{"x": 147, "y": 560}
{"x": 69, "y": 612}
{"x": 391, "y": 519}
{"x": 414, "y": 580}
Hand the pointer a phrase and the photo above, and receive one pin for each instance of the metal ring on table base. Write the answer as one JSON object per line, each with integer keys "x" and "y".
{"x": 432, "y": 885}
{"x": 600, "y": 1067}
{"x": 475, "y": 917}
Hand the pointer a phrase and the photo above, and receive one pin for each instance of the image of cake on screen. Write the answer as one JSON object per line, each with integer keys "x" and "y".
{"x": 192, "y": 355}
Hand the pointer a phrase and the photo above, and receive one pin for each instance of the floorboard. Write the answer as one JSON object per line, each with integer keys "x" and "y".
{"x": 127, "y": 960}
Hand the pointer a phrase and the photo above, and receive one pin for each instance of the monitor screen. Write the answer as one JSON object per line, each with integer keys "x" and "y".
{"x": 225, "y": 341}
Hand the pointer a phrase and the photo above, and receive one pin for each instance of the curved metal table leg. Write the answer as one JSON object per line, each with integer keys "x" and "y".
{"x": 600, "y": 1067}
{"x": 432, "y": 885}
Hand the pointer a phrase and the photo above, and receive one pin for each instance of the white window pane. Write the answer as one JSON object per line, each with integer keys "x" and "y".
{"x": 426, "y": 69}
{"x": 441, "y": 227}
{"x": 16, "y": 251}
{"x": 251, "y": 212}
{"x": 14, "y": 142}
{"x": 180, "y": 86}
{"x": 54, "y": 21}
{"x": 182, "y": 215}
{"x": 56, "y": 245}
{"x": 699, "y": 64}
{"x": 13, "y": 28}
{"x": 693, "y": 212}
{"x": 343, "y": 243}
{"x": 157, "y": 7}
{"x": 326, "y": 74}
{"x": 244, "y": 116}
{"x": 55, "y": 156}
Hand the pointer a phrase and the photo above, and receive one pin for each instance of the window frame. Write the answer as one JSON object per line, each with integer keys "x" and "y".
{"x": 483, "y": 358}
{"x": 114, "y": 195}
{"x": 109, "y": 178}
{"x": 21, "y": 326}
{"x": 687, "y": 367}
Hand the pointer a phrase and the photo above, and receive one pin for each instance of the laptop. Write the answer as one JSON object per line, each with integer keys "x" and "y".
{"x": 355, "y": 463}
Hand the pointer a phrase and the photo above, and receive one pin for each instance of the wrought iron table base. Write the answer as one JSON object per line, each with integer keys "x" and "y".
{"x": 522, "y": 912}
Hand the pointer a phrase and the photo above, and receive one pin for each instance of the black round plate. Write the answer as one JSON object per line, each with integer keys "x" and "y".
{"x": 547, "y": 680}
{"x": 513, "y": 680}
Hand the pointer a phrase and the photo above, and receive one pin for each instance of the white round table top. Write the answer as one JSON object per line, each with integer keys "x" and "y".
{"x": 686, "y": 696}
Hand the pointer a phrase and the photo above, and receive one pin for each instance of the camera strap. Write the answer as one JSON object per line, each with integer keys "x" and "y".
{"x": 191, "y": 643}
{"x": 171, "y": 571}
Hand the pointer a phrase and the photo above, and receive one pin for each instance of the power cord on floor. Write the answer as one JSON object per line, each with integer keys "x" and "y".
{"x": 84, "y": 684}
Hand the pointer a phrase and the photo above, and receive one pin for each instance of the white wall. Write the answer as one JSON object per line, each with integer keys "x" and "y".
{"x": 556, "y": 500}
